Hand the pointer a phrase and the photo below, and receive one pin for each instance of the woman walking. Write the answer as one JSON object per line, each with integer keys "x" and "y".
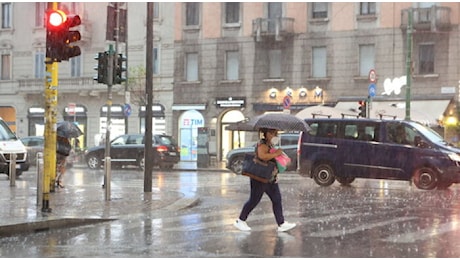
{"x": 270, "y": 137}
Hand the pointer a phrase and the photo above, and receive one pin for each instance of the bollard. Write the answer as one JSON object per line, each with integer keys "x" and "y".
{"x": 39, "y": 178}
{"x": 12, "y": 169}
{"x": 107, "y": 177}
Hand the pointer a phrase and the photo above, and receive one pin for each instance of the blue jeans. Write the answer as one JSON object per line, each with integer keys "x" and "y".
{"x": 257, "y": 191}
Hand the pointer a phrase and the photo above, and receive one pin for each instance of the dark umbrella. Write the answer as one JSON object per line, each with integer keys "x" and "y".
{"x": 68, "y": 129}
{"x": 282, "y": 122}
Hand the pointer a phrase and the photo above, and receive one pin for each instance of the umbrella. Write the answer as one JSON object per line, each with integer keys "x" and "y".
{"x": 68, "y": 129}
{"x": 283, "y": 122}
{"x": 239, "y": 126}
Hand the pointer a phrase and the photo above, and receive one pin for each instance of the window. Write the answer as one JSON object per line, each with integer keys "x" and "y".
{"x": 156, "y": 10}
{"x": 6, "y": 65}
{"x": 192, "y": 14}
{"x": 426, "y": 59}
{"x": 192, "y": 67}
{"x": 274, "y": 60}
{"x": 232, "y": 65}
{"x": 366, "y": 59}
{"x": 6, "y": 15}
{"x": 232, "y": 12}
{"x": 75, "y": 66}
{"x": 319, "y": 10}
{"x": 367, "y": 8}
{"x": 156, "y": 65}
{"x": 40, "y": 9}
{"x": 39, "y": 72}
{"x": 275, "y": 11}
{"x": 319, "y": 62}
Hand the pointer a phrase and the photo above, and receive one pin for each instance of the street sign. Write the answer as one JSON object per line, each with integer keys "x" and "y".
{"x": 371, "y": 90}
{"x": 286, "y": 102}
{"x": 127, "y": 110}
{"x": 71, "y": 109}
{"x": 372, "y": 76}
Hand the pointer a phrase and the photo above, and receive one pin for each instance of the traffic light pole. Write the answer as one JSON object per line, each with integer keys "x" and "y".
{"x": 107, "y": 164}
{"x": 49, "y": 167}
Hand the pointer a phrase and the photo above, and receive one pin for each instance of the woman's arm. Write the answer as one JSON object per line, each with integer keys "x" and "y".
{"x": 263, "y": 152}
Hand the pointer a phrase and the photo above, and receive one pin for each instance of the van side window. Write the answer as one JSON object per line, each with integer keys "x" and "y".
{"x": 314, "y": 129}
{"x": 327, "y": 129}
{"x": 351, "y": 131}
{"x": 400, "y": 134}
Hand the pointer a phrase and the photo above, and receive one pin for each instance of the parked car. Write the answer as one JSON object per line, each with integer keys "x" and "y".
{"x": 128, "y": 149}
{"x": 10, "y": 144}
{"x": 345, "y": 149}
{"x": 36, "y": 144}
{"x": 288, "y": 142}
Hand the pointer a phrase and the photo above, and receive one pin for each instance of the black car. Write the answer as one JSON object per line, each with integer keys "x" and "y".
{"x": 288, "y": 142}
{"x": 129, "y": 150}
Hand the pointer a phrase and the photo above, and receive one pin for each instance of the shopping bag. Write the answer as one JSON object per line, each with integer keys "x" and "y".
{"x": 282, "y": 161}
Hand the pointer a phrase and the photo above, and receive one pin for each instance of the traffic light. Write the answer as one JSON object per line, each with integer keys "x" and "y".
{"x": 362, "y": 108}
{"x": 119, "y": 68}
{"x": 59, "y": 37}
{"x": 102, "y": 67}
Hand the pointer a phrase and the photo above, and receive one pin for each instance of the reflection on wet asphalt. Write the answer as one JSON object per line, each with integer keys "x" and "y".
{"x": 366, "y": 219}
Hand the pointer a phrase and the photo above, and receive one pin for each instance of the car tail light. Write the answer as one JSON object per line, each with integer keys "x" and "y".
{"x": 178, "y": 149}
{"x": 162, "y": 148}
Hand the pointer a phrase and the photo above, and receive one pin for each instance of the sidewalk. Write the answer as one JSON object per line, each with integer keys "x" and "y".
{"x": 83, "y": 202}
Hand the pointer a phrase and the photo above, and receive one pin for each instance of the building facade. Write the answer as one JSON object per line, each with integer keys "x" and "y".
{"x": 219, "y": 63}
{"x": 80, "y": 97}
{"x": 237, "y": 60}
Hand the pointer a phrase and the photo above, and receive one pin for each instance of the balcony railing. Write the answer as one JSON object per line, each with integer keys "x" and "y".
{"x": 276, "y": 27}
{"x": 435, "y": 18}
{"x": 65, "y": 85}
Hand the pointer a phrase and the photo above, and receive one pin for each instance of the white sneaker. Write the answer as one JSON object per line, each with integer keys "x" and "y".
{"x": 286, "y": 226}
{"x": 241, "y": 225}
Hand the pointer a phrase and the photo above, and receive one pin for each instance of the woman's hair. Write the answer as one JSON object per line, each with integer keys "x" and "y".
{"x": 264, "y": 131}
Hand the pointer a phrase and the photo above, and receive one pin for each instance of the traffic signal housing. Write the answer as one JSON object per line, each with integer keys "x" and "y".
{"x": 102, "y": 67}
{"x": 362, "y": 107}
{"x": 119, "y": 69}
{"x": 59, "y": 36}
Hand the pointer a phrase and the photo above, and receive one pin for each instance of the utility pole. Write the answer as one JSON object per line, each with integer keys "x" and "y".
{"x": 408, "y": 63}
{"x": 148, "y": 108}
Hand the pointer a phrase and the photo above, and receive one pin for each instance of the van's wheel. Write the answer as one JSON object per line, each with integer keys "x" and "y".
{"x": 345, "y": 180}
{"x": 323, "y": 174}
{"x": 425, "y": 178}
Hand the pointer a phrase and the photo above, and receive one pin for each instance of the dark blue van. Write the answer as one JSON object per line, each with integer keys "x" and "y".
{"x": 345, "y": 149}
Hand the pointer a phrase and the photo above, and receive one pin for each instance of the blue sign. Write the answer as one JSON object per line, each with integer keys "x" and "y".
{"x": 127, "y": 110}
{"x": 371, "y": 89}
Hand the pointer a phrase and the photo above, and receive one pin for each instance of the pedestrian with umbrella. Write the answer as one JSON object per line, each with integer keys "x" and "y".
{"x": 64, "y": 131}
{"x": 268, "y": 125}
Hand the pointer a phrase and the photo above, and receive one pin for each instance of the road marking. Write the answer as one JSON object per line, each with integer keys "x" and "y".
{"x": 423, "y": 234}
{"x": 366, "y": 226}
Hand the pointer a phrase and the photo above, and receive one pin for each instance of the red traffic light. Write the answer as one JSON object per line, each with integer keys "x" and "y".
{"x": 56, "y": 19}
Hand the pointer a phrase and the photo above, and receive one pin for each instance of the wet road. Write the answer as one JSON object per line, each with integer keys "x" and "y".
{"x": 370, "y": 218}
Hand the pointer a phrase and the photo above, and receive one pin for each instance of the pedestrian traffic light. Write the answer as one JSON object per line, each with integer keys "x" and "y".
{"x": 362, "y": 108}
{"x": 102, "y": 67}
{"x": 59, "y": 37}
{"x": 119, "y": 69}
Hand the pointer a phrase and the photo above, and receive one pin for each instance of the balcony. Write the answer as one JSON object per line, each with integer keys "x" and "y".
{"x": 276, "y": 28}
{"x": 436, "y": 18}
{"x": 66, "y": 85}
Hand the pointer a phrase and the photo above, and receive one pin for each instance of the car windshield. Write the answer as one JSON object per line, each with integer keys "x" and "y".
{"x": 6, "y": 133}
{"x": 429, "y": 133}
{"x": 166, "y": 140}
